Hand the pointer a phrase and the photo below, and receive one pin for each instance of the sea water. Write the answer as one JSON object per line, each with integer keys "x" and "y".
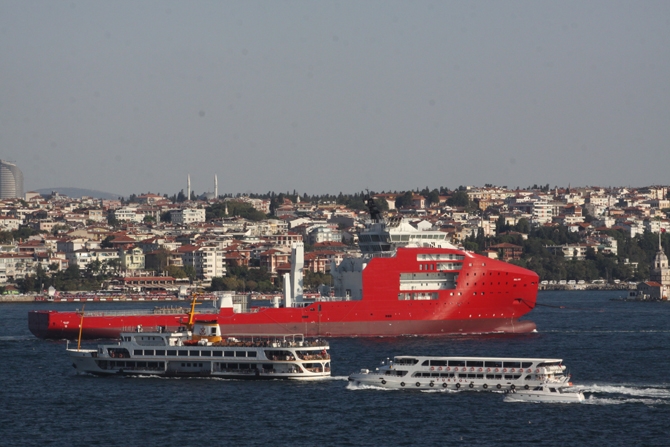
{"x": 618, "y": 353}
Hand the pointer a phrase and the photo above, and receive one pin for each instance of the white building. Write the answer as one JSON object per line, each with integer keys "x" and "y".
{"x": 187, "y": 216}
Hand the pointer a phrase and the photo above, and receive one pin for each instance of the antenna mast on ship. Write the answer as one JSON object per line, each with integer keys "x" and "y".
{"x": 375, "y": 213}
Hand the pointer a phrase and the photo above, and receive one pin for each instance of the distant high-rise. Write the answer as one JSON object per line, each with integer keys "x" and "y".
{"x": 11, "y": 181}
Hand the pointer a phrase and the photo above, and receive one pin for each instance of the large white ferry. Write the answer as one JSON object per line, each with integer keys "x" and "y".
{"x": 465, "y": 373}
{"x": 205, "y": 352}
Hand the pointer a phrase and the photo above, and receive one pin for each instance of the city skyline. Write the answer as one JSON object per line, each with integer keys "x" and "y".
{"x": 333, "y": 97}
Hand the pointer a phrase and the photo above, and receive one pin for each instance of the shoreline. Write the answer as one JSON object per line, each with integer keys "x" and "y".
{"x": 170, "y": 298}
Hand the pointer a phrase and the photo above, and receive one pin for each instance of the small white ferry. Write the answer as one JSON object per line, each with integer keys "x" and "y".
{"x": 205, "y": 352}
{"x": 465, "y": 373}
{"x": 545, "y": 393}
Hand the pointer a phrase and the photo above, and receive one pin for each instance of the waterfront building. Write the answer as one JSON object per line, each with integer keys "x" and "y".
{"x": 11, "y": 181}
{"x": 658, "y": 286}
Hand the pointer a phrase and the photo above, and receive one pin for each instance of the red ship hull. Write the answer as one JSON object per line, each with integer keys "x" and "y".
{"x": 490, "y": 296}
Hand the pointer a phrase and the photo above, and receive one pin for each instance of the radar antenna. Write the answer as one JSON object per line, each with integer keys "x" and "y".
{"x": 375, "y": 213}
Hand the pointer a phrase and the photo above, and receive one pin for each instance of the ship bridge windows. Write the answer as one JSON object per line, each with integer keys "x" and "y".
{"x": 395, "y": 372}
{"x": 405, "y": 361}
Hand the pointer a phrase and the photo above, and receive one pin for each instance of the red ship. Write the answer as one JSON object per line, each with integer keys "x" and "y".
{"x": 407, "y": 282}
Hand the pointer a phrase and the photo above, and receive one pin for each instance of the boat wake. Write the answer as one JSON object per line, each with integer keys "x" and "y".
{"x": 625, "y": 394}
{"x": 17, "y": 337}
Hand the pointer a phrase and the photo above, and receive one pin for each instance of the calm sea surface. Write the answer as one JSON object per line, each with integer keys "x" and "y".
{"x": 617, "y": 352}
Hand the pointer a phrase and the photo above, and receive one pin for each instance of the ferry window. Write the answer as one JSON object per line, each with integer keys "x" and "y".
{"x": 456, "y": 362}
{"x": 425, "y": 363}
{"x": 183, "y": 352}
{"x": 153, "y": 364}
{"x": 148, "y": 352}
{"x": 493, "y": 364}
{"x": 172, "y": 352}
{"x": 141, "y": 364}
{"x": 512, "y": 365}
{"x": 251, "y": 354}
{"x": 476, "y": 364}
{"x": 434, "y": 374}
{"x": 405, "y": 361}
{"x": 240, "y": 353}
{"x": 229, "y": 353}
{"x": 217, "y": 353}
{"x": 526, "y": 364}
{"x": 137, "y": 352}
{"x": 438, "y": 363}
{"x": 194, "y": 353}
{"x": 206, "y": 353}
{"x": 160, "y": 351}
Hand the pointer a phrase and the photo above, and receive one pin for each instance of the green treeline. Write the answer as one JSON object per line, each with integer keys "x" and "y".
{"x": 640, "y": 249}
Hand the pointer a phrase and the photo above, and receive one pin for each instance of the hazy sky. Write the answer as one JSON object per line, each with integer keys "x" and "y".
{"x": 329, "y": 96}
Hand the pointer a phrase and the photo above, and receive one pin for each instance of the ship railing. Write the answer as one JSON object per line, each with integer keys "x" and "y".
{"x": 313, "y": 356}
{"x": 272, "y": 340}
{"x": 134, "y": 312}
{"x": 332, "y": 298}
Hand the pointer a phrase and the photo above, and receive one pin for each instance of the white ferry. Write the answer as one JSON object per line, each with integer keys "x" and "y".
{"x": 465, "y": 373}
{"x": 205, "y": 352}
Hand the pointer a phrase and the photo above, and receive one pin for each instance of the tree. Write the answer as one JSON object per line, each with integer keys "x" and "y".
{"x": 522, "y": 226}
{"x": 107, "y": 242}
{"x": 112, "y": 220}
{"x": 190, "y": 272}
{"x": 433, "y": 197}
{"x": 460, "y": 199}
{"x": 175, "y": 271}
{"x": 405, "y": 200}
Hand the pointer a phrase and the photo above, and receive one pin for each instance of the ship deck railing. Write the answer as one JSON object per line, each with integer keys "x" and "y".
{"x": 133, "y": 312}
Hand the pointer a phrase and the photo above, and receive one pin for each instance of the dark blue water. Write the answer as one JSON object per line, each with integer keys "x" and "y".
{"x": 617, "y": 352}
